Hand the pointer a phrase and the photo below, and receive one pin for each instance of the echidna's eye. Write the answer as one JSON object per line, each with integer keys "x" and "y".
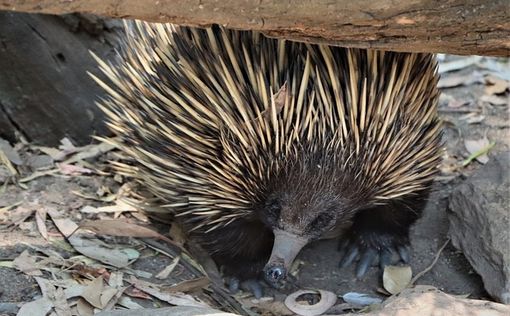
{"x": 322, "y": 221}
{"x": 273, "y": 209}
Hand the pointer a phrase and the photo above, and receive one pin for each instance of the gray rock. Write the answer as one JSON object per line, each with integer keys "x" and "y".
{"x": 427, "y": 300}
{"x": 479, "y": 215}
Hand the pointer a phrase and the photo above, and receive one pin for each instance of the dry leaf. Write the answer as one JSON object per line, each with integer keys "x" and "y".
{"x": 127, "y": 302}
{"x": 163, "y": 274}
{"x": 396, "y": 278}
{"x": 54, "y": 153}
{"x": 73, "y": 170}
{"x": 43, "y": 305}
{"x": 472, "y": 118}
{"x": 60, "y": 303}
{"x": 452, "y": 81}
{"x": 40, "y": 162}
{"x": 457, "y": 64}
{"x": 360, "y": 299}
{"x": 96, "y": 249}
{"x": 476, "y": 145}
{"x": 116, "y": 279}
{"x": 39, "y": 307}
{"x": 327, "y": 300}
{"x": 10, "y": 152}
{"x": 7, "y": 163}
{"x": 84, "y": 308}
{"x": 92, "y": 293}
{"x": 495, "y": 100}
{"x": 66, "y": 226}
{"x": 189, "y": 285}
{"x": 27, "y": 264}
{"x": 172, "y": 298}
{"x": 455, "y": 103}
{"x": 177, "y": 234}
{"x": 40, "y": 218}
{"x": 38, "y": 174}
{"x": 114, "y": 227}
{"x": 19, "y": 215}
{"x": 90, "y": 151}
{"x": 495, "y": 85}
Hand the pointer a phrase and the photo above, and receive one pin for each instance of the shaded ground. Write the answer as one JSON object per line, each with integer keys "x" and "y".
{"x": 473, "y": 110}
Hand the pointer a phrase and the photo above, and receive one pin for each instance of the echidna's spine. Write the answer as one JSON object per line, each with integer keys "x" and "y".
{"x": 210, "y": 115}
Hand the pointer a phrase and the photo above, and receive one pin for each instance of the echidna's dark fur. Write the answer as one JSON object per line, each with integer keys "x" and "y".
{"x": 239, "y": 135}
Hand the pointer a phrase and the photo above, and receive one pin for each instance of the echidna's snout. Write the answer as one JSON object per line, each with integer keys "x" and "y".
{"x": 285, "y": 249}
{"x": 275, "y": 274}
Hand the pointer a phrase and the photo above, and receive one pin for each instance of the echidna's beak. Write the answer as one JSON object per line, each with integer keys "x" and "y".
{"x": 285, "y": 249}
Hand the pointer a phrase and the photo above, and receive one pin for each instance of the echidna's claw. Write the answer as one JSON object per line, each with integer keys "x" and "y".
{"x": 252, "y": 285}
{"x": 365, "y": 261}
{"x": 385, "y": 258}
{"x": 233, "y": 285}
{"x": 350, "y": 254}
{"x": 373, "y": 249}
{"x": 404, "y": 253}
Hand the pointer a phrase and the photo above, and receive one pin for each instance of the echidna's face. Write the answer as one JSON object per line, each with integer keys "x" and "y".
{"x": 303, "y": 204}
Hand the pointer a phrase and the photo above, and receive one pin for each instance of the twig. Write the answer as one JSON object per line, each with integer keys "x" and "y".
{"x": 427, "y": 269}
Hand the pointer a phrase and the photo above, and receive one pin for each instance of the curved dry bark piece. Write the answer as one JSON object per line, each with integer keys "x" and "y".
{"x": 328, "y": 299}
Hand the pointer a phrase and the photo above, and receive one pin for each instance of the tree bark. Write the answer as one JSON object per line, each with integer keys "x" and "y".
{"x": 450, "y": 26}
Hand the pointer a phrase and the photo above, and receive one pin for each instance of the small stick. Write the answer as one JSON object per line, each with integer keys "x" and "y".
{"x": 427, "y": 269}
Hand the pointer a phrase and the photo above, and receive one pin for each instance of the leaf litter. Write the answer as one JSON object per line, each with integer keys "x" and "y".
{"x": 70, "y": 277}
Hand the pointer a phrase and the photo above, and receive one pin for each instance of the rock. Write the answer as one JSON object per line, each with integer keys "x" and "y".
{"x": 479, "y": 215}
{"x": 426, "y": 300}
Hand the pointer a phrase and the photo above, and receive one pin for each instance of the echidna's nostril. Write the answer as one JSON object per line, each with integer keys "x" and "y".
{"x": 275, "y": 274}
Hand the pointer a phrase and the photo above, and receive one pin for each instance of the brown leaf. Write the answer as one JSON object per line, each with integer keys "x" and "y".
{"x": 66, "y": 226}
{"x": 10, "y": 152}
{"x": 455, "y": 103}
{"x": 163, "y": 274}
{"x": 84, "y": 308}
{"x": 61, "y": 306}
{"x": 396, "y": 278}
{"x": 114, "y": 227}
{"x": 136, "y": 293}
{"x": 27, "y": 264}
{"x": 278, "y": 100}
{"x": 92, "y": 293}
{"x": 73, "y": 169}
{"x": 189, "y": 285}
{"x": 40, "y": 218}
{"x": 177, "y": 234}
{"x": 40, "y": 161}
{"x": 495, "y": 100}
{"x": 96, "y": 249}
{"x": 456, "y": 80}
{"x": 495, "y": 85}
{"x": 155, "y": 290}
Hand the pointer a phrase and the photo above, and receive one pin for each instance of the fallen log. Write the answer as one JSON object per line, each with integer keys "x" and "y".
{"x": 457, "y": 27}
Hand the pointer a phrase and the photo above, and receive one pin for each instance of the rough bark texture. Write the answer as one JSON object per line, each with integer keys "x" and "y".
{"x": 455, "y": 26}
{"x": 45, "y": 92}
{"x": 479, "y": 214}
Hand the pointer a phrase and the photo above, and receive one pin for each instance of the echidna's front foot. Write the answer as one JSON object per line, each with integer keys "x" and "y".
{"x": 370, "y": 248}
{"x": 253, "y": 286}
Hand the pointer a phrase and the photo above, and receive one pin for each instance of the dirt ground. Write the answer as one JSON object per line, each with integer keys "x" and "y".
{"x": 474, "y": 107}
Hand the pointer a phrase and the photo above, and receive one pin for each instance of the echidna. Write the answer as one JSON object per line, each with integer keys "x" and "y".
{"x": 262, "y": 145}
